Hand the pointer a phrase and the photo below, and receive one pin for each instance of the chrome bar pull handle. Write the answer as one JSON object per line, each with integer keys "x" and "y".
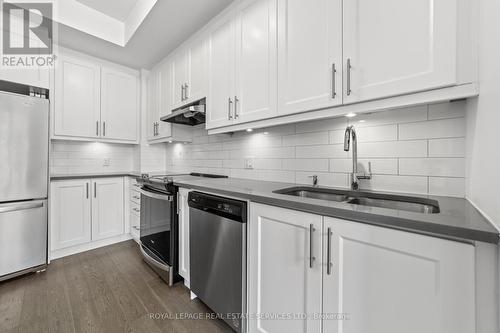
{"x": 96, "y": 128}
{"x": 182, "y": 92}
{"x": 95, "y": 190}
{"x": 329, "y": 251}
{"x": 229, "y": 115}
{"x": 236, "y": 100}
{"x": 349, "y": 67}
{"x": 87, "y": 185}
{"x": 311, "y": 257}
{"x": 186, "y": 95}
{"x": 104, "y": 129}
{"x": 334, "y": 72}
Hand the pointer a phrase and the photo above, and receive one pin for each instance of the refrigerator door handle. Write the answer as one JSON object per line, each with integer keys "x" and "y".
{"x": 20, "y": 206}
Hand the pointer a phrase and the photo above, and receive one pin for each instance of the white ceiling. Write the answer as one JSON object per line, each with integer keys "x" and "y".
{"x": 118, "y": 9}
{"x": 168, "y": 24}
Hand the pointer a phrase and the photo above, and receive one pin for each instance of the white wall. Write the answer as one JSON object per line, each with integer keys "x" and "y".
{"x": 70, "y": 157}
{"x": 483, "y": 119}
{"x": 416, "y": 150}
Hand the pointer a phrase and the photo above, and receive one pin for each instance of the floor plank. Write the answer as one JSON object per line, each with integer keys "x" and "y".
{"x": 109, "y": 289}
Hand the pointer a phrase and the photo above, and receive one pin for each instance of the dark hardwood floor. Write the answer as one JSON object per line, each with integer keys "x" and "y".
{"x": 105, "y": 290}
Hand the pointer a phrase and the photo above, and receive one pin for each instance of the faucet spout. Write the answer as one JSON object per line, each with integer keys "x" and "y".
{"x": 350, "y": 132}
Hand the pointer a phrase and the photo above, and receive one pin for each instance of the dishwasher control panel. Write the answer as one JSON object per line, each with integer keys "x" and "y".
{"x": 227, "y": 207}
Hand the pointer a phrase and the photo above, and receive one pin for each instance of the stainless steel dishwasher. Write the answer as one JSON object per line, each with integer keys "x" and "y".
{"x": 217, "y": 249}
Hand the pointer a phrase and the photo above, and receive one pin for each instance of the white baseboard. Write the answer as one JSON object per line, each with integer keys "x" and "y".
{"x": 88, "y": 246}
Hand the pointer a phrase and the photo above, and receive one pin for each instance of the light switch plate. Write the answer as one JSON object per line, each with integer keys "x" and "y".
{"x": 249, "y": 162}
{"x": 107, "y": 162}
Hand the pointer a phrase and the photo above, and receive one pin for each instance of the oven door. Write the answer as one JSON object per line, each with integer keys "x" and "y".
{"x": 157, "y": 218}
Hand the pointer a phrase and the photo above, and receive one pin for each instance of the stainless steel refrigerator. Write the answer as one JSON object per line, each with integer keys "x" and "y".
{"x": 24, "y": 155}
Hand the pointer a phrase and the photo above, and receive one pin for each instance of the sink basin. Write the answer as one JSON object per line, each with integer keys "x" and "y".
{"x": 315, "y": 193}
{"x": 371, "y": 199}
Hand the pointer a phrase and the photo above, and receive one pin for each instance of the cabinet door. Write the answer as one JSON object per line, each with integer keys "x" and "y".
{"x": 179, "y": 67}
{"x": 220, "y": 100}
{"x": 256, "y": 61}
{"x": 389, "y": 281}
{"x": 309, "y": 55}
{"x": 119, "y": 105}
{"x": 70, "y": 213}
{"x": 398, "y": 47}
{"x": 107, "y": 208}
{"x": 183, "y": 212}
{"x": 77, "y": 98}
{"x": 281, "y": 279}
{"x": 197, "y": 71}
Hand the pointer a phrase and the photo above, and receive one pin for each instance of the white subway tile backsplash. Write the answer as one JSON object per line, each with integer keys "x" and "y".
{"x": 391, "y": 183}
{"x": 453, "y": 187}
{"x": 388, "y": 166}
{"x": 447, "y": 147}
{"x": 451, "y": 167}
{"x": 417, "y": 150}
{"x": 306, "y": 164}
{"x": 306, "y": 139}
{"x": 433, "y": 129}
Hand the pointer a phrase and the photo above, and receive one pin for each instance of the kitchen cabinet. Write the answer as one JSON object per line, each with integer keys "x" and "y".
{"x": 107, "y": 208}
{"x": 243, "y": 65}
{"x": 77, "y": 98}
{"x": 284, "y": 275}
{"x": 189, "y": 70}
{"x": 70, "y": 205}
{"x": 392, "y": 281}
{"x": 362, "y": 275}
{"x": 159, "y": 104}
{"x": 183, "y": 213}
{"x": 310, "y": 55}
{"x": 95, "y": 101}
{"x": 85, "y": 214}
{"x": 398, "y": 47}
{"x": 119, "y": 105}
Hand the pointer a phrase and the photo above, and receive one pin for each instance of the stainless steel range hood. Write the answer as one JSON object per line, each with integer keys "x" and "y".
{"x": 191, "y": 114}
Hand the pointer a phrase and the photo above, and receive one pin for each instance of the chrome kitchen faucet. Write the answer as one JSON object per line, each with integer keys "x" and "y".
{"x": 355, "y": 175}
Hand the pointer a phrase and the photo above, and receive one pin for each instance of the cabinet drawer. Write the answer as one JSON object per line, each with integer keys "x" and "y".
{"x": 135, "y": 196}
{"x": 135, "y": 223}
{"x": 135, "y": 209}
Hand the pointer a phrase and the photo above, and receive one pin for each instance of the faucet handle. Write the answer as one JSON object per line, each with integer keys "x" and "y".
{"x": 315, "y": 179}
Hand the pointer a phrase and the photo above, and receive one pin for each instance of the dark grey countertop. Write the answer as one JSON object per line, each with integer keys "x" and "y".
{"x": 95, "y": 175}
{"x": 458, "y": 219}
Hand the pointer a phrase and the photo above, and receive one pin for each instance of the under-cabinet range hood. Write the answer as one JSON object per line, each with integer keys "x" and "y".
{"x": 191, "y": 114}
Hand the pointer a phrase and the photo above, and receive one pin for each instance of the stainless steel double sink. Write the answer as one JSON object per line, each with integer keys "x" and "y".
{"x": 371, "y": 199}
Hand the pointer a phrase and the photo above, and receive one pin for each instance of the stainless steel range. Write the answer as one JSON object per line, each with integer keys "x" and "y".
{"x": 159, "y": 223}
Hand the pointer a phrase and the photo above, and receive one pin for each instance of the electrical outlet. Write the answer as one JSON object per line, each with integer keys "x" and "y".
{"x": 107, "y": 162}
{"x": 249, "y": 162}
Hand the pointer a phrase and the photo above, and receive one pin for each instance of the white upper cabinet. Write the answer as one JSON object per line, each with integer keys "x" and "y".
{"x": 398, "y": 47}
{"x": 95, "y": 100}
{"x": 309, "y": 55}
{"x": 107, "y": 208}
{"x": 389, "y": 281}
{"x": 256, "y": 61}
{"x": 242, "y": 65}
{"x": 77, "y": 98}
{"x": 119, "y": 105}
{"x": 284, "y": 275}
{"x": 189, "y": 72}
{"x": 220, "y": 99}
{"x": 179, "y": 69}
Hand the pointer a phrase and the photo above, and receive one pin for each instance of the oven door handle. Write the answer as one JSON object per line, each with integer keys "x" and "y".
{"x": 156, "y": 195}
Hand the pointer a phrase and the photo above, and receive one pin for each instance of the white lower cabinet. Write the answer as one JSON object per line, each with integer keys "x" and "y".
{"x": 183, "y": 212}
{"x": 85, "y": 213}
{"x": 388, "y": 281}
{"x": 107, "y": 208}
{"x": 281, "y": 277}
{"x": 70, "y": 213}
{"x": 380, "y": 280}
